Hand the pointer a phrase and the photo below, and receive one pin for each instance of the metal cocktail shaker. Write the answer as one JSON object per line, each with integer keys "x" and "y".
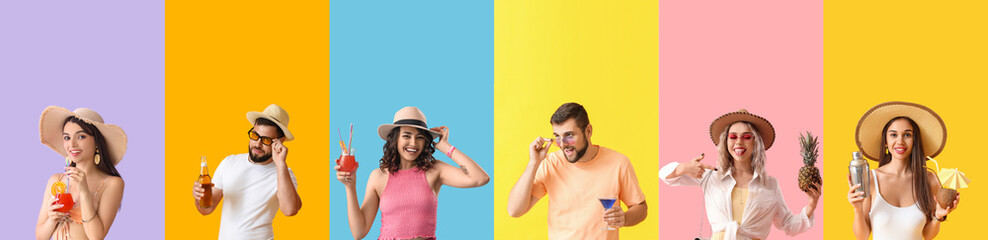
{"x": 860, "y": 174}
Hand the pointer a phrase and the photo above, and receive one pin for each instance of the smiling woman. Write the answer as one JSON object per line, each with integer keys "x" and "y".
{"x": 406, "y": 185}
{"x": 83, "y": 202}
{"x": 406, "y": 147}
{"x": 742, "y": 200}
{"x": 909, "y": 133}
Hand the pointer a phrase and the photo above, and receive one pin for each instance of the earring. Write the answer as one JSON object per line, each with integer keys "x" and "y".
{"x": 886, "y": 151}
{"x": 96, "y": 158}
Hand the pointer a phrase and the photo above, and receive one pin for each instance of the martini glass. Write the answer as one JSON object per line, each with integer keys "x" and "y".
{"x": 607, "y": 203}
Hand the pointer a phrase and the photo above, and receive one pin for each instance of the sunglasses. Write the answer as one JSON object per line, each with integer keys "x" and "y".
{"x": 254, "y": 136}
{"x": 569, "y": 139}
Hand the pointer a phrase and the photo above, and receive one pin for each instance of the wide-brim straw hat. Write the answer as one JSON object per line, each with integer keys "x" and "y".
{"x": 407, "y": 116}
{"x": 868, "y": 133}
{"x": 53, "y": 121}
{"x": 277, "y": 115}
{"x": 723, "y": 122}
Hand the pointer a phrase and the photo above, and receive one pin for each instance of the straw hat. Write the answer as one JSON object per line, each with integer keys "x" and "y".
{"x": 763, "y": 127}
{"x": 53, "y": 121}
{"x": 277, "y": 115}
{"x": 868, "y": 133}
{"x": 407, "y": 116}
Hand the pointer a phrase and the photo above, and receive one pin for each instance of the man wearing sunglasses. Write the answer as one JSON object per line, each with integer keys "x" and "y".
{"x": 580, "y": 179}
{"x": 257, "y": 183}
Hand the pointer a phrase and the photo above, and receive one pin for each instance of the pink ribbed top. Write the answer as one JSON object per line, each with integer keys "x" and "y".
{"x": 408, "y": 206}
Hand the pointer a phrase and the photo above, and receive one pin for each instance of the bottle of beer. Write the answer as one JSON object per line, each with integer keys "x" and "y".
{"x": 207, "y": 199}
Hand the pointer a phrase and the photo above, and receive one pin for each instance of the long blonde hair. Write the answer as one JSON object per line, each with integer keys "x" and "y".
{"x": 725, "y": 159}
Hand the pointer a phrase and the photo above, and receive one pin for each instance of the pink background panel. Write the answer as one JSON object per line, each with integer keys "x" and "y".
{"x": 717, "y": 57}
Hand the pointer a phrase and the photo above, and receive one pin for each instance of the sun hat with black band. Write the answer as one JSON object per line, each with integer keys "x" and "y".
{"x": 868, "y": 134}
{"x": 407, "y": 116}
{"x": 277, "y": 115}
{"x": 53, "y": 121}
{"x": 723, "y": 122}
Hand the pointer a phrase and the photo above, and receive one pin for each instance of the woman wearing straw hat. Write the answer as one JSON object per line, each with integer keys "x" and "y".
{"x": 742, "y": 200}
{"x": 899, "y": 135}
{"x": 91, "y": 149}
{"x": 406, "y": 185}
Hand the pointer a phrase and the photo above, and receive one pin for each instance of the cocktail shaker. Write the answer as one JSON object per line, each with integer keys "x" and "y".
{"x": 860, "y": 173}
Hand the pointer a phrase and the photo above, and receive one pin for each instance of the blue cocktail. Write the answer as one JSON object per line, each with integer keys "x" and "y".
{"x": 608, "y": 203}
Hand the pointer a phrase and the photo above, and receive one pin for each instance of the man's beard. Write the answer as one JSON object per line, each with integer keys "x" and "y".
{"x": 579, "y": 153}
{"x": 258, "y": 159}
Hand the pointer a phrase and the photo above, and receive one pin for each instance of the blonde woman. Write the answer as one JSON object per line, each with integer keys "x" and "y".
{"x": 742, "y": 200}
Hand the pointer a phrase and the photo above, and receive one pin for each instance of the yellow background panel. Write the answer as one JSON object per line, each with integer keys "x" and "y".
{"x": 599, "y": 54}
{"x": 931, "y": 53}
{"x": 223, "y": 59}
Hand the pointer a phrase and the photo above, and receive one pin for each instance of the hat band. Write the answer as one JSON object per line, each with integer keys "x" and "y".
{"x": 415, "y": 122}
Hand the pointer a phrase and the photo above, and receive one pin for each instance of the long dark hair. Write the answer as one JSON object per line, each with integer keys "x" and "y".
{"x": 106, "y": 164}
{"x": 391, "y": 159}
{"x": 917, "y": 165}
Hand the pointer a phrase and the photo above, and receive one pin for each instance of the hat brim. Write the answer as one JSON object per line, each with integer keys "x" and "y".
{"x": 868, "y": 134}
{"x": 385, "y": 129}
{"x": 53, "y": 121}
{"x": 253, "y": 116}
{"x": 763, "y": 126}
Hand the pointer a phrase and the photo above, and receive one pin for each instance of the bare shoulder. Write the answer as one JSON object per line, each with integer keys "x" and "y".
{"x": 376, "y": 178}
{"x": 114, "y": 183}
{"x": 439, "y": 170}
{"x": 54, "y": 178}
{"x": 51, "y": 180}
{"x": 377, "y": 172}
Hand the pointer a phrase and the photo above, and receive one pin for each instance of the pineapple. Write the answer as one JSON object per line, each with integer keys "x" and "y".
{"x": 809, "y": 149}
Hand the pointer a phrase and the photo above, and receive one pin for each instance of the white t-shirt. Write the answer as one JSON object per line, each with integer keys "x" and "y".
{"x": 249, "y": 196}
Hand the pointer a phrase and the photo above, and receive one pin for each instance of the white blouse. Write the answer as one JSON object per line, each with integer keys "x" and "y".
{"x": 765, "y": 206}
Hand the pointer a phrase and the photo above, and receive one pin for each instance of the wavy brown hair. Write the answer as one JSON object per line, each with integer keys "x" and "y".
{"x": 916, "y": 165}
{"x": 391, "y": 159}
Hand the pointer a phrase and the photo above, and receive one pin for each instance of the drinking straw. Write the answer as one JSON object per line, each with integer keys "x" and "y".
{"x": 342, "y": 144}
{"x": 350, "y": 143}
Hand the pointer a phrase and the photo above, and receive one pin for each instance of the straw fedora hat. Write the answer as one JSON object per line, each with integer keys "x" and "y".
{"x": 407, "y": 116}
{"x": 53, "y": 121}
{"x": 868, "y": 133}
{"x": 277, "y": 115}
{"x": 763, "y": 127}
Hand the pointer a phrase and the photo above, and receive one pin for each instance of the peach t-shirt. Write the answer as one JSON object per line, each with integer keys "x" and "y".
{"x": 573, "y": 189}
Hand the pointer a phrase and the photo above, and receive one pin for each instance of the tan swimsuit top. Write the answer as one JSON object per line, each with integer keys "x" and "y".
{"x": 75, "y": 215}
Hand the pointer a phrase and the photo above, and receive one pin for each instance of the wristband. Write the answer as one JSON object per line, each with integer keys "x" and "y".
{"x": 450, "y": 152}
